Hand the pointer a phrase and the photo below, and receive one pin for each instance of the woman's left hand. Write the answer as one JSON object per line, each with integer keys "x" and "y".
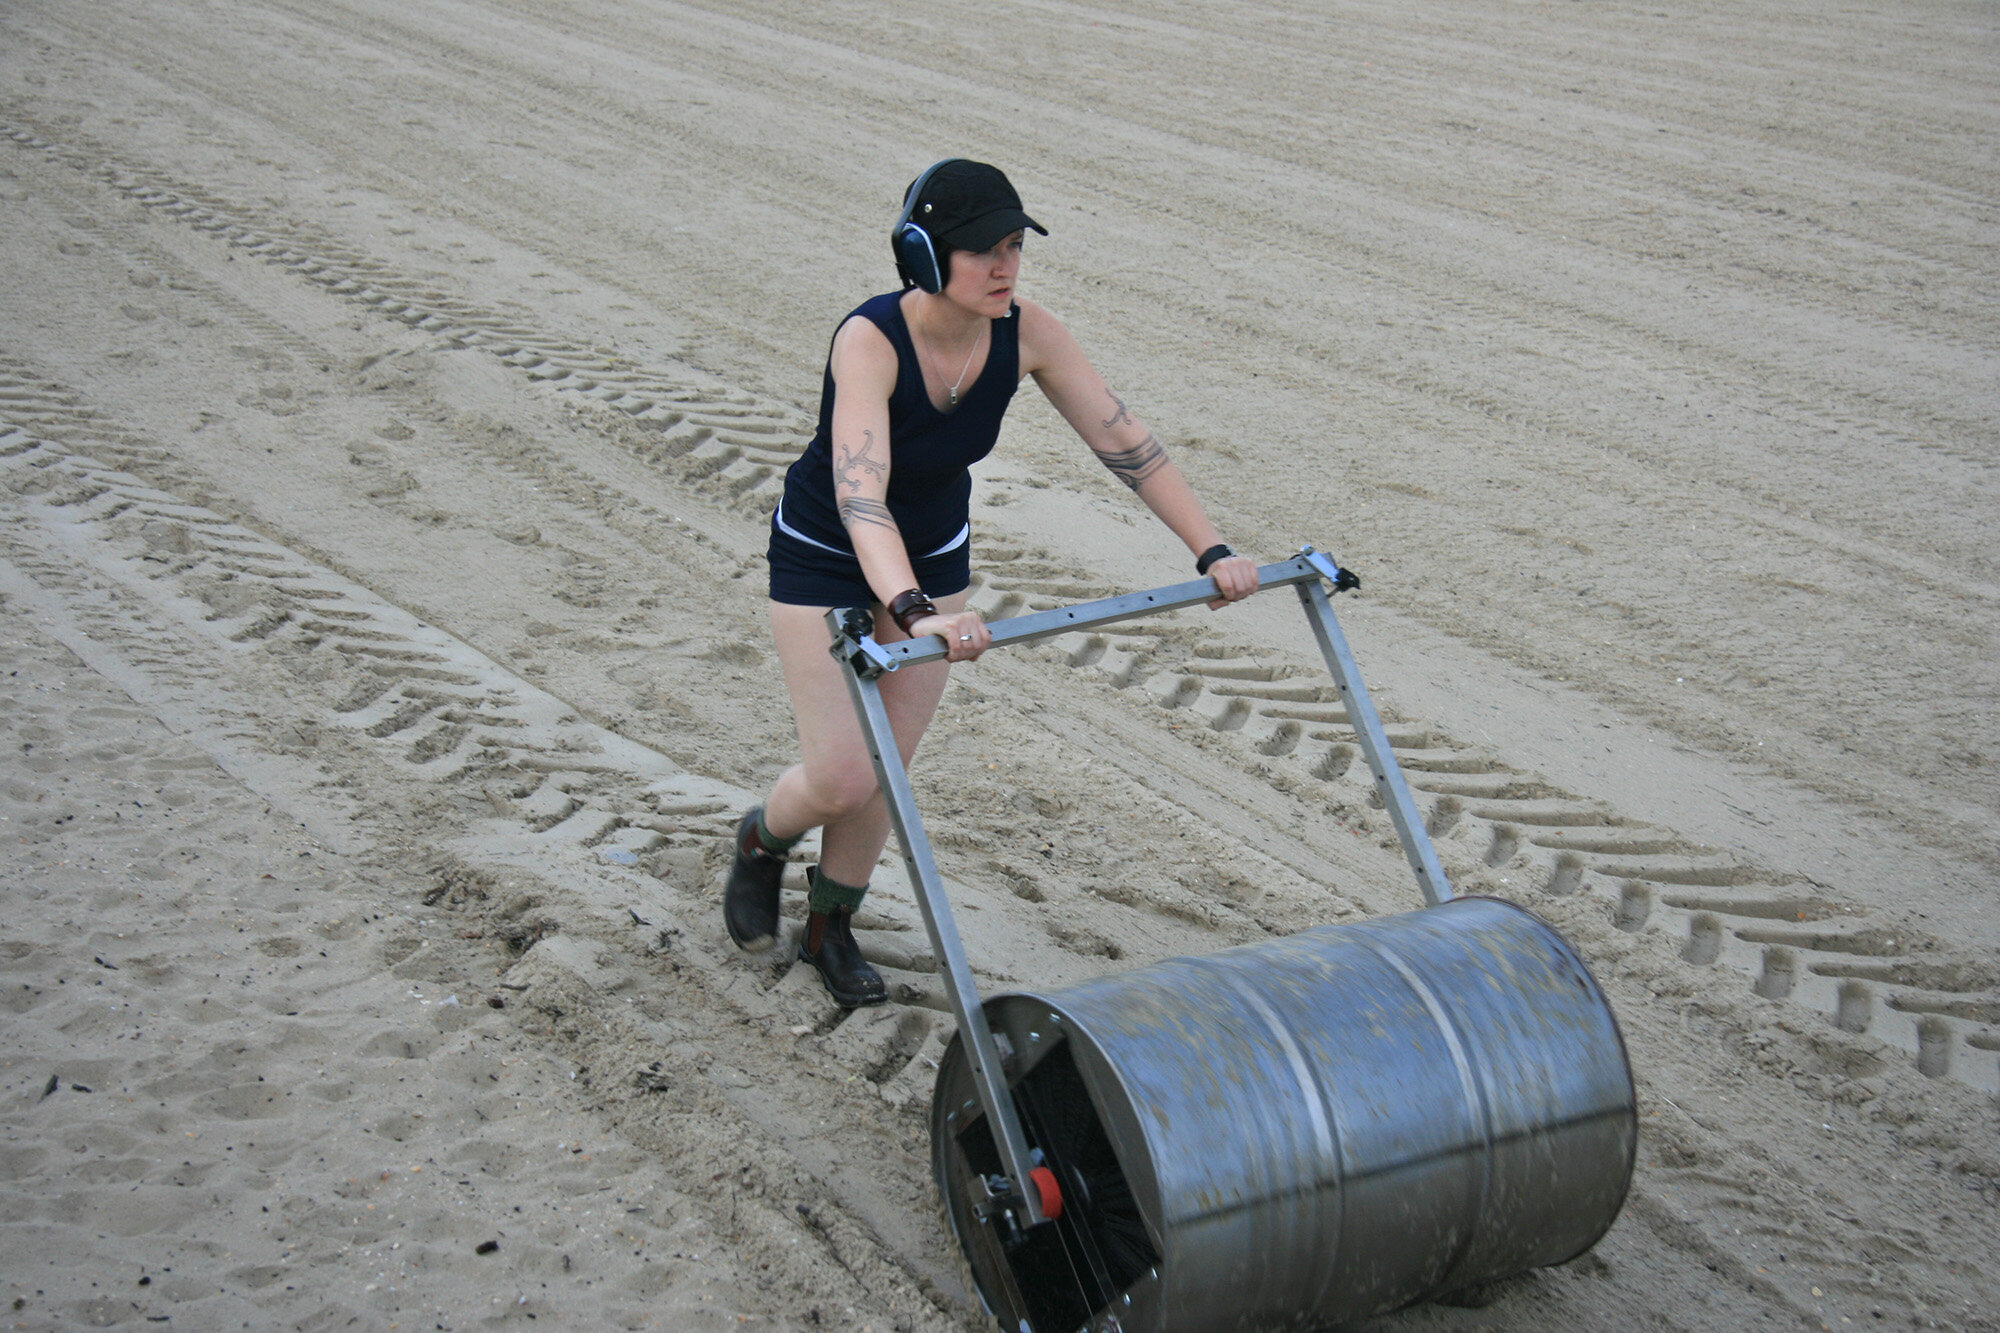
{"x": 1235, "y": 577}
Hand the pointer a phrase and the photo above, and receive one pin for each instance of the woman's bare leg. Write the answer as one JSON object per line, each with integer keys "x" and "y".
{"x": 832, "y": 788}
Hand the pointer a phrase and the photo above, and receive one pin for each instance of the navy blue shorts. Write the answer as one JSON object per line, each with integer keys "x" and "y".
{"x": 805, "y": 575}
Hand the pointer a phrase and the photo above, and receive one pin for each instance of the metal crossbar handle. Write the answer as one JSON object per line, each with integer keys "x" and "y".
{"x": 1310, "y": 571}
{"x": 876, "y": 658}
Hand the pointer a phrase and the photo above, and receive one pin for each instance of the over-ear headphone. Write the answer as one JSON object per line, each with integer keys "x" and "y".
{"x": 916, "y": 257}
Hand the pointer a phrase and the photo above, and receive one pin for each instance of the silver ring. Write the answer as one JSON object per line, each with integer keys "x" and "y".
{"x": 965, "y": 638}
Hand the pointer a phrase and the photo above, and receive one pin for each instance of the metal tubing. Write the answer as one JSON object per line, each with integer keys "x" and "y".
{"x": 1301, "y": 568}
{"x": 894, "y": 782}
{"x": 1375, "y": 747}
{"x": 866, "y": 660}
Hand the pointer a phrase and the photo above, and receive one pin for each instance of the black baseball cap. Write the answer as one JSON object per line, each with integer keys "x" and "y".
{"x": 969, "y": 206}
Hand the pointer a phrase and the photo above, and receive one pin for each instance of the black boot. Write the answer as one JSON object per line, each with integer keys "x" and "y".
{"x": 829, "y": 945}
{"x": 750, "y": 899}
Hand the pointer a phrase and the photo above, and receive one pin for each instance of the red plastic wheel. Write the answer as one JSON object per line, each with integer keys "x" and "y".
{"x": 1048, "y": 1189}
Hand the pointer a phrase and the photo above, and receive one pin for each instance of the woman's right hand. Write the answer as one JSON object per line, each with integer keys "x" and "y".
{"x": 965, "y": 635}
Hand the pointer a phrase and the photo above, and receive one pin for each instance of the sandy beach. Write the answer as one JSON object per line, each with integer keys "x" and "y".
{"x": 392, "y": 402}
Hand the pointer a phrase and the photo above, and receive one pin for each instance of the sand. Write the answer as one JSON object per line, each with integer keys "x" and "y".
{"x": 391, "y": 401}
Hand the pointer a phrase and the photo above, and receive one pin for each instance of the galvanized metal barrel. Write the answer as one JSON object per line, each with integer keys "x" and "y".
{"x": 1297, "y": 1133}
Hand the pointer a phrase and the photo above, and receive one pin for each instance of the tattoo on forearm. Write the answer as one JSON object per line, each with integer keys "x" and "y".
{"x": 857, "y": 512}
{"x": 1133, "y": 466}
{"x": 852, "y": 465}
{"x": 1121, "y": 415}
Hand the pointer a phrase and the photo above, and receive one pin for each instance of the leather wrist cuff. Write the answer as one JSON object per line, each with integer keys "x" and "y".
{"x": 907, "y": 608}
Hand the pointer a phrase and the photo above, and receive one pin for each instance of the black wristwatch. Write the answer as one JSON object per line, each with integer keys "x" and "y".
{"x": 1219, "y": 551}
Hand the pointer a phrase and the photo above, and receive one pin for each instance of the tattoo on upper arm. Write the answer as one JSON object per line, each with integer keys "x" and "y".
{"x": 851, "y": 465}
{"x": 1121, "y": 415}
{"x": 856, "y": 512}
{"x": 1133, "y": 466}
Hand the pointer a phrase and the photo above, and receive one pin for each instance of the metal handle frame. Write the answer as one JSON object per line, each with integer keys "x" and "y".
{"x": 866, "y": 660}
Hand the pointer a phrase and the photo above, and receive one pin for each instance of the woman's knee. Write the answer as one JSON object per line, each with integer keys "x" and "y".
{"x": 840, "y": 790}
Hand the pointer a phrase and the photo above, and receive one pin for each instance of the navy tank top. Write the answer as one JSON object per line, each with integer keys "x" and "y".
{"x": 930, "y": 452}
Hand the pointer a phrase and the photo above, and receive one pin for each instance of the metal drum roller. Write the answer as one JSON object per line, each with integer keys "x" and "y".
{"x": 1301, "y": 1132}
{"x": 1281, "y": 1136}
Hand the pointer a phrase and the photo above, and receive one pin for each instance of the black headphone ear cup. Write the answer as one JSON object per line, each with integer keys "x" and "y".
{"x": 918, "y": 259}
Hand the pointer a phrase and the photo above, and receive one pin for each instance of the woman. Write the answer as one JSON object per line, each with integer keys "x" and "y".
{"x": 875, "y": 513}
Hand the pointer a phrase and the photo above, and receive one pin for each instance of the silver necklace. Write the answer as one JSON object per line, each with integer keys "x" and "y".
{"x": 952, "y": 392}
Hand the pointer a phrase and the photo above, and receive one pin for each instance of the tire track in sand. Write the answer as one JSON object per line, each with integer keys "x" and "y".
{"x": 1500, "y": 829}
{"x": 1225, "y": 694}
{"x": 1810, "y": 945}
{"x": 622, "y": 967}
{"x": 291, "y": 675}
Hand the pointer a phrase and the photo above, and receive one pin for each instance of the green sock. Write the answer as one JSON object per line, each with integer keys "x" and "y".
{"x": 774, "y": 844}
{"x": 827, "y": 894}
